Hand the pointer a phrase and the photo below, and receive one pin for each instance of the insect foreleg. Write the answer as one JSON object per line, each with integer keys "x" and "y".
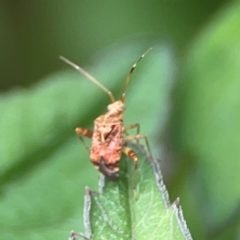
{"x": 84, "y": 132}
{"x": 138, "y": 137}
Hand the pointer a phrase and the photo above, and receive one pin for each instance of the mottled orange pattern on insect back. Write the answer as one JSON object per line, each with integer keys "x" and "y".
{"x": 109, "y": 134}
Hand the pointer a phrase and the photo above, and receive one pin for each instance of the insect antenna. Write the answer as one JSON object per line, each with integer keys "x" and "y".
{"x": 130, "y": 74}
{"x": 89, "y": 77}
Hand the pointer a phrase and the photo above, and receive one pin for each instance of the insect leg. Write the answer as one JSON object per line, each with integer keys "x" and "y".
{"x": 131, "y": 154}
{"x": 138, "y": 137}
{"x": 132, "y": 126}
{"x": 84, "y": 132}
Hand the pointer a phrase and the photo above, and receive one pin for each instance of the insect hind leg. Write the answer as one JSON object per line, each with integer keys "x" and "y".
{"x": 137, "y": 137}
{"x": 133, "y": 156}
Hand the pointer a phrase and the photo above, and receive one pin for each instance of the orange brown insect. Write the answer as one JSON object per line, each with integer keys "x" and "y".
{"x": 109, "y": 134}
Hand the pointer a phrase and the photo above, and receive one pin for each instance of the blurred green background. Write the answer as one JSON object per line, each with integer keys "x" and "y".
{"x": 185, "y": 94}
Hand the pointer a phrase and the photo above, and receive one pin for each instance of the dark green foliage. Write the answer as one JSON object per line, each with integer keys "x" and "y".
{"x": 194, "y": 128}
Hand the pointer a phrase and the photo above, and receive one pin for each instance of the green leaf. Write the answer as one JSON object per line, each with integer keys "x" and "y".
{"x": 134, "y": 208}
{"x": 206, "y": 120}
